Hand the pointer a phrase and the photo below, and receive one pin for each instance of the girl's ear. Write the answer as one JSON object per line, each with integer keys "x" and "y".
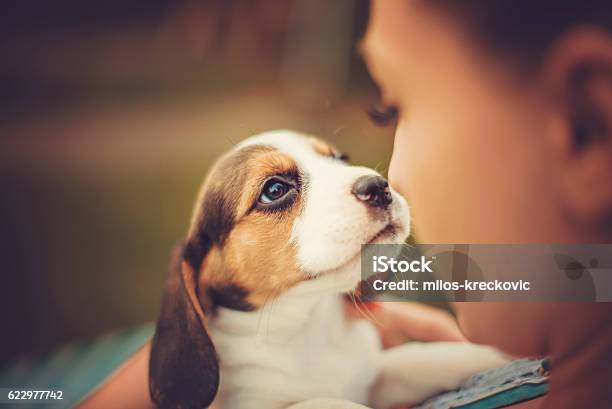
{"x": 578, "y": 77}
{"x": 183, "y": 367}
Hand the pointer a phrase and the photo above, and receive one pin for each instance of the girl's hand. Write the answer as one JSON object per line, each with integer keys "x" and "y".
{"x": 399, "y": 322}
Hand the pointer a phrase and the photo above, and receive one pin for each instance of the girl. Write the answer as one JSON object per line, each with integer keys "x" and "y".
{"x": 504, "y": 135}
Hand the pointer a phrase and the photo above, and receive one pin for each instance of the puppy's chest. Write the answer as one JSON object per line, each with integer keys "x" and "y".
{"x": 285, "y": 355}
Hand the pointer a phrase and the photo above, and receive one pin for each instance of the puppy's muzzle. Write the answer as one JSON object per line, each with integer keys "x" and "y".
{"x": 373, "y": 190}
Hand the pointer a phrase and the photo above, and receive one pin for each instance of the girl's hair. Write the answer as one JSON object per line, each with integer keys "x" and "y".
{"x": 525, "y": 28}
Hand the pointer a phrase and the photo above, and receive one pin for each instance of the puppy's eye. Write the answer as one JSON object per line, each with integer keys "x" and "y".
{"x": 273, "y": 190}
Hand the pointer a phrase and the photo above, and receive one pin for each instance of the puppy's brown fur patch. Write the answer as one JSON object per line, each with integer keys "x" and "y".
{"x": 250, "y": 257}
{"x": 238, "y": 254}
{"x": 325, "y": 149}
{"x": 322, "y": 148}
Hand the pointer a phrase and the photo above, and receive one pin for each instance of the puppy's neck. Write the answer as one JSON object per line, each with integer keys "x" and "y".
{"x": 299, "y": 346}
{"x": 285, "y": 317}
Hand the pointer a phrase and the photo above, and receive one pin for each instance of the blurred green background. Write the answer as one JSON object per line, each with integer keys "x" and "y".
{"x": 112, "y": 112}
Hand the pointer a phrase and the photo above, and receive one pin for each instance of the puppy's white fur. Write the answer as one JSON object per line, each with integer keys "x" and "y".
{"x": 300, "y": 348}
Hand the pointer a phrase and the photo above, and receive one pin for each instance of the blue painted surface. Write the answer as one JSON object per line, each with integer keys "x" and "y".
{"x": 75, "y": 369}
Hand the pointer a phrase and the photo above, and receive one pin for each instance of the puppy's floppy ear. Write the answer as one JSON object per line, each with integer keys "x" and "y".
{"x": 183, "y": 367}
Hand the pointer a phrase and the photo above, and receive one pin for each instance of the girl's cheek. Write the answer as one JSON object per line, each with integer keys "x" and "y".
{"x": 399, "y": 167}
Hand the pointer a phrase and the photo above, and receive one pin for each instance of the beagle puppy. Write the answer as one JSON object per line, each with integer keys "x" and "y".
{"x": 253, "y": 316}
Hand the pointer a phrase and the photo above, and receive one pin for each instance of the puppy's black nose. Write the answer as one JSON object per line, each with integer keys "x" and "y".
{"x": 373, "y": 191}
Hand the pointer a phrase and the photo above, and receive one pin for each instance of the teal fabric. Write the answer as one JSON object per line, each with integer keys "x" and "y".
{"x": 75, "y": 369}
{"x": 509, "y": 397}
{"x": 518, "y": 381}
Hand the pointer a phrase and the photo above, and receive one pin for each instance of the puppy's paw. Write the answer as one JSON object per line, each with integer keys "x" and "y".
{"x": 414, "y": 372}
